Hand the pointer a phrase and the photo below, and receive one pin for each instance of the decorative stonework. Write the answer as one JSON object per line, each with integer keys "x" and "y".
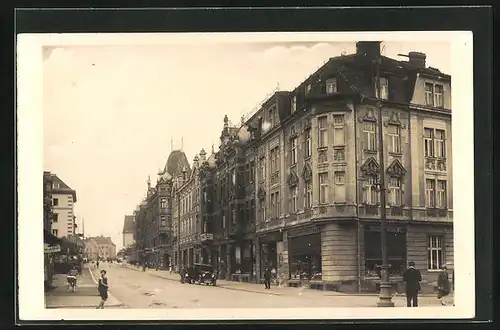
{"x": 396, "y": 169}
{"x": 262, "y": 193}
{"x": 441, "y": 164}
{"x": 293, "y": 132}
{"x": 430, "y": 164}
{"x": 307, "y": 172}
{"x": 293, "y": 179}
{"x": 368, "y": 116}
{"x": 370, "y": 167}
{"x": 394, "y": 119}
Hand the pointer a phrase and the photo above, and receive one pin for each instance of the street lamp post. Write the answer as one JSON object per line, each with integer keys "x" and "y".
{"x": 385, "y": 297}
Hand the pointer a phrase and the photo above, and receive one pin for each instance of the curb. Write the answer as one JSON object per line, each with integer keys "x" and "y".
{"x": 118, "y": 302}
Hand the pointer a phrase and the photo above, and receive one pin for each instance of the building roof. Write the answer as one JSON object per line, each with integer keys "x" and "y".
{"x": 177, "y": 162}
{"x": 59, "y": 187}
{"x": 102, "y": 240}
{"x": 129, "y": 224}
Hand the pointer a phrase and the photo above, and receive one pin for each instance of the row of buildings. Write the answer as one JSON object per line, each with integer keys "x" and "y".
{"x": 59, "y": 228}
{"x": 99, "y": 248}
{"x": 295, "y": 186}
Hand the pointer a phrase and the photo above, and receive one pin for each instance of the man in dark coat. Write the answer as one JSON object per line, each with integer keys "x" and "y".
{"x": 267, "y": 278}
{"x": 412, "y": 277}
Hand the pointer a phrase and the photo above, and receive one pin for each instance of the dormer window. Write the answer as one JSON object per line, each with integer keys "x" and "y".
{"x": 331, "y": 86}
{"x": 434, "y": 95}
{"x": 384, "y": 89}
{"x": 293, "y": 104}
{"x": 308, "y": 88}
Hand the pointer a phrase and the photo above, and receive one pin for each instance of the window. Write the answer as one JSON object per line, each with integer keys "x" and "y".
{"x": 293, "y": 151}
{"x": 223, "y": 222}
{"x": 438, "y": 96}
{"x": 340, "y": 187}
{"x": 384, "y": 88}
{"x": 271, "y": 117}
{"x": 54, "y": 232}
{"x": 322, "y": 132}
{"x": 338, "y": 130}
{"x": 331, "y": 86}
{"x": 323, "y": 188}
{"x": 435, "y": 253}
{"x": 262, "y": 168}
{"x": 274, "y": 159}
{"x": 430, "y": 191}
{"x": 293, "y": 199}
{"x": 275, "y": 205}
{"x": 394, "y": 138}
{"x": 441, "y": 194}
{"x": 262, "y": 209}
{"x": 440, "y": 145}
{"x": 429, "y": 142}
{"x": 429, "y": 100}
{"x": 252, "y": 171}
{"x": 434, "y": 95}
{"x": 55, "y": 201}
{"x": 163, "y": 203}
{"x": 308, "y": 143}
{"x": 370, "y": 191}
{"x": 369, "y": 136}
{"x": 55, "y": 185}
{"x": 395, "y": 191}
{"x": 55, "y": 217}
{"x": 308, "y": 88}
{"x": 308, "y": 195}
{"x": 293, "y": 104}
{"x": 163, "y": 221}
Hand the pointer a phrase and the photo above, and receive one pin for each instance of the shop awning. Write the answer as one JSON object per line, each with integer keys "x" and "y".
{"x": 51, "y": 239}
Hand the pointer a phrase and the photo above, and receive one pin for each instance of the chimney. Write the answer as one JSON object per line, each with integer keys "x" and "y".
{"x": 368, "y": 48}
{"x": 417, "y": 59}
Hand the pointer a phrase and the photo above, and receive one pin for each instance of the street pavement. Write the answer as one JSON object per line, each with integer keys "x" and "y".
{"x": 86, "y": 295}
{"x": 159, "y": 289}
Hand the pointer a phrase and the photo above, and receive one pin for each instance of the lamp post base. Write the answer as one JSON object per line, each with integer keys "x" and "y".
{"x": 385, "y": 296}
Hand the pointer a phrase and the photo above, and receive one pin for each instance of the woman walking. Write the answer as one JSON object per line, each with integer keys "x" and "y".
{"x": 103, "y": 289}
{"x": 443, "y": 286}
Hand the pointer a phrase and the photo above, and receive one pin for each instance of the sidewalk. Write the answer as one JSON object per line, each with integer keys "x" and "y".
{"x": 259, "y": 288}
{"x": 86, "y": 295}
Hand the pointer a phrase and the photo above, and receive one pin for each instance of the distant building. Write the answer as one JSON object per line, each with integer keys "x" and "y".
{"x": 99, "y": 247}
{"x": 51, "y": 242}
{"x": 128, "y": 231}
{"x": 63, "y": 201}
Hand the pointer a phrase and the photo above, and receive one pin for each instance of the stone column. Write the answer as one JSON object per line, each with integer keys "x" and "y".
{"x": 283, "y": 266}
{"x": 228, "y": 261}
{"x": 256, "y": 268}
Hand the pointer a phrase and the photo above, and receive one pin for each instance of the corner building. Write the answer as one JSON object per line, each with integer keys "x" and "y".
{"x": 318, "y": 208}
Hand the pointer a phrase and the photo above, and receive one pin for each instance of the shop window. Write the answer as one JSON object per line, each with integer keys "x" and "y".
{"x": 305, "y": 257}
{"x": 396, "y": 250}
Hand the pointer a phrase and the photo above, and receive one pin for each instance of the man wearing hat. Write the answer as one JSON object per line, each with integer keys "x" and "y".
{"x": 412, "y": 278}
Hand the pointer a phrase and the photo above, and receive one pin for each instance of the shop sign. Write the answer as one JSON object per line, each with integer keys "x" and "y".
{"x": 304, "y": 231}
{"x": 52, "y": 248}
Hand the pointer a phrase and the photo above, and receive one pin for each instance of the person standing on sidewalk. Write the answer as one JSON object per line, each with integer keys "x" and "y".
{"x": 103, "y": 289}
{"x": 267, "y": 278}
{"x": 443, "y": 285}
{"x": 412, "y": 277}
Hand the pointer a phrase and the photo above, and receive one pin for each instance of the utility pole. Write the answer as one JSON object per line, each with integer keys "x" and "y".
{"x": 385, "y": 296}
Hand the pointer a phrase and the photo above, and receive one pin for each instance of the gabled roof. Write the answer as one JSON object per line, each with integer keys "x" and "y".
{"x": 59, "y": 186}
{"x": 176, "y": 163}
{"x": 102, "y": 240}
{"x": 129, "y": 224}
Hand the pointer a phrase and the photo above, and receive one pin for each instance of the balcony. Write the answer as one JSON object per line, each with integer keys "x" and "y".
{"x": 275, "y": 178}
{"x": 436, "y": 212}
{"x": 206, "y": 237}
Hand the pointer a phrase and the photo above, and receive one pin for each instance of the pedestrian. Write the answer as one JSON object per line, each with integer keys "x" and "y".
{"x": 103, "y": 289}
{"x": 412, "y": 277}
{"x": 443, "y": 285}
{"x": 267, "y": 278}
{"x": 170, "y": 269}
{"x": 97, "y": 263}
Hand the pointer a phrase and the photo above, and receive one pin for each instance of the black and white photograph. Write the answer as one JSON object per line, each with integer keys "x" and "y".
{"x": 191, "y": 176}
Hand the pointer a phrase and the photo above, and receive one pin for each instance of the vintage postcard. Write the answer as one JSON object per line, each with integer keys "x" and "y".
{"x": 201, "y": 176}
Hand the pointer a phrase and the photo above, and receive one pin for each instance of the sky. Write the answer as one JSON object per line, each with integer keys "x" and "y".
{"x": 112, "y": 112}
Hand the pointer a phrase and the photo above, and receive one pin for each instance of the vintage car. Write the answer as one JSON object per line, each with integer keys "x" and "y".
{"x": 205, "y": 274}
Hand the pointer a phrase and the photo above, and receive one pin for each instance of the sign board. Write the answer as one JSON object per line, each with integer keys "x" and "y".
{"x": 52, "y": 248}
